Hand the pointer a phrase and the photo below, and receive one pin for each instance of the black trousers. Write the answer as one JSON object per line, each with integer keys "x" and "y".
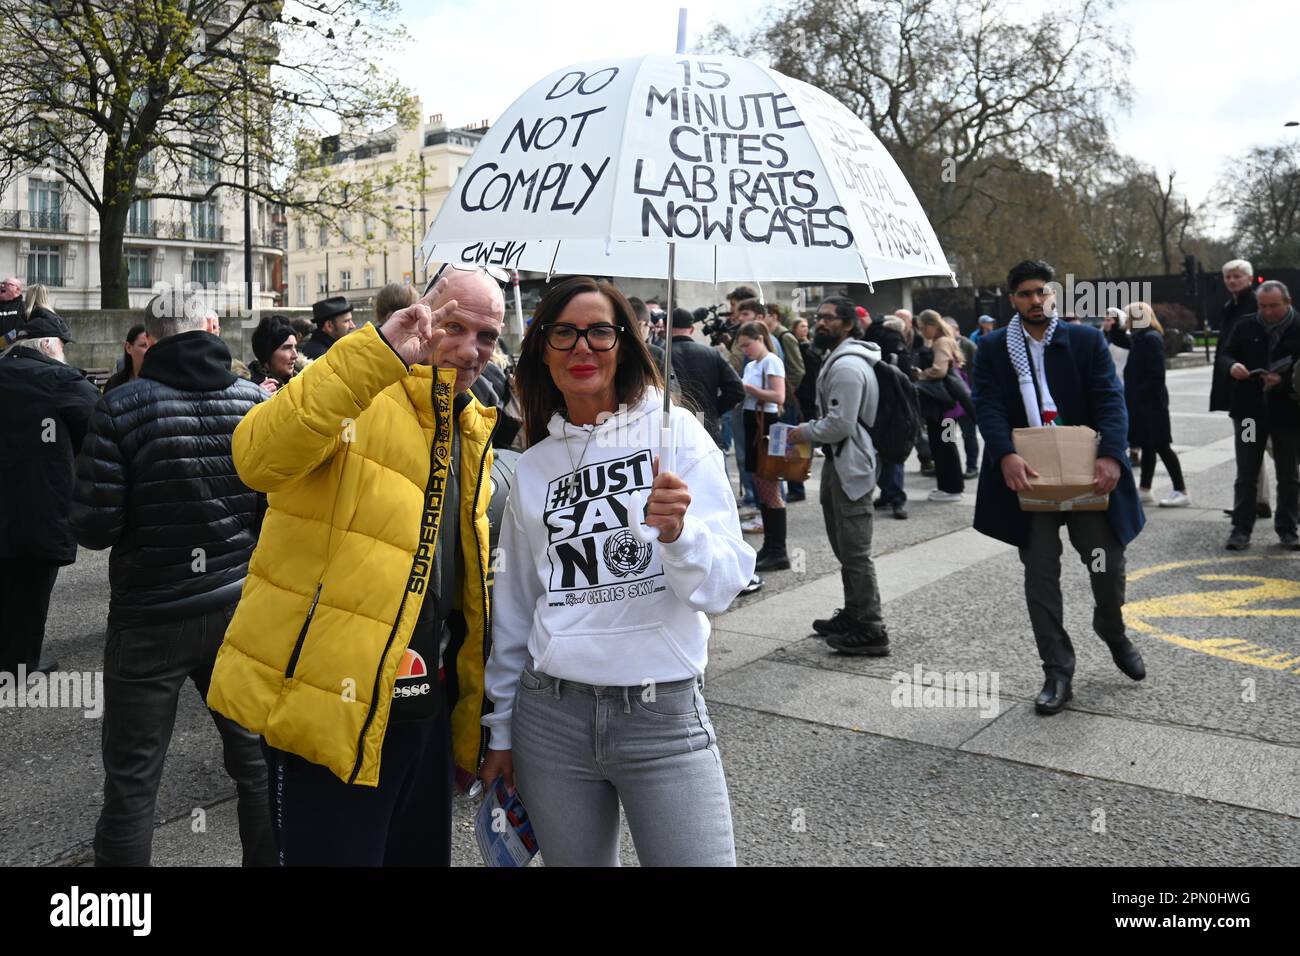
{"x": 405, "y": 821}
{"x": 1172, "y": 465}
{"x": 1250, "y": 455}
{"x": 25, "y": 588}
{"x": 947, "y": 460}
{"x": 1103, "y": 556}
{"x": 144, "y": 671}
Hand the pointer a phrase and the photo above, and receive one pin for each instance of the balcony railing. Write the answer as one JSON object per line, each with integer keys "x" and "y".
{"x": 208, "y": 231}
{"x": 175, "y": 229}
{"x": 35, "y": 221}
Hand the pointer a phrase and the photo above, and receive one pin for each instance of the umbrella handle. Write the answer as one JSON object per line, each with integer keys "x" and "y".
{"x": 636, "y": 502}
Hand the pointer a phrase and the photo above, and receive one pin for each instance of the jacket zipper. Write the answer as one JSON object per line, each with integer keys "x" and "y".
{"x": 483, "y": 733}
{"x": 302, "y": 635}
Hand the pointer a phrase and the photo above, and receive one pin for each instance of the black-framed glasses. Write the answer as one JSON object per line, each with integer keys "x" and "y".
{"x": 496, "y": 273}
{"x": 563, "y": 337}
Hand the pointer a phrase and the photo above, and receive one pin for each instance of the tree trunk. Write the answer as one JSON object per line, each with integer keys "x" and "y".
{"x": 113, "y": 280}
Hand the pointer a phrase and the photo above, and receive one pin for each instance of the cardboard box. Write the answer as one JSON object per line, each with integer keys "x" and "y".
{"x": 1065, "y": 458}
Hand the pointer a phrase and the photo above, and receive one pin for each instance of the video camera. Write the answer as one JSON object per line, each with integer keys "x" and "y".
{"x": 719, "y": 328}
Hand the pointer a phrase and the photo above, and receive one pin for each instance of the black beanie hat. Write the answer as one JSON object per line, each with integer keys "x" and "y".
{"x": 270, "y": 335}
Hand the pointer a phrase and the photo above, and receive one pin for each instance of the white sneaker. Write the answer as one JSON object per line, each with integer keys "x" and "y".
{"x": 947, "y": 497}
{"x": 1145, "y": 496}
{"x": 1176, "y": 499}
{"x": 754, "y": 526}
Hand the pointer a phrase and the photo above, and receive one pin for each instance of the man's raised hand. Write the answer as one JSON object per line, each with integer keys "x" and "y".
{"x": 414, "y": 332}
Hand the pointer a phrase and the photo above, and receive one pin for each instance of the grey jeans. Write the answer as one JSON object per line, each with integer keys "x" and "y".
{"x": 1103, "y": 556}
{"x": 581, "y": 749}
{"x": 848, "y": 525}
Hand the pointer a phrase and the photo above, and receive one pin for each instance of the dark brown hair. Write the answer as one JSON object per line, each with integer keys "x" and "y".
{"x": 751, "y": 305}
{"x": 757, "y": 330}
{"x": 539, "y": 397}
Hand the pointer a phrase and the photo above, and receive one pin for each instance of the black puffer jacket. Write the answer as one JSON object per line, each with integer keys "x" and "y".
{"x": 46, "y": 409}
{"x": 156, "y": 482}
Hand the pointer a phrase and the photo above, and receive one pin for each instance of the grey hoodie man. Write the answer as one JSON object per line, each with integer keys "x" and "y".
{"x": 847, "y": 391}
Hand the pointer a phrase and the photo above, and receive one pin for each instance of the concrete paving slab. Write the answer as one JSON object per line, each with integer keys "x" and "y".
{"x": 1227, "y": 769}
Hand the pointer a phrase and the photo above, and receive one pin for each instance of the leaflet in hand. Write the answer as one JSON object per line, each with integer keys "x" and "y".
{"x": 780, "y": 446}
{"x": 501, "y": 827}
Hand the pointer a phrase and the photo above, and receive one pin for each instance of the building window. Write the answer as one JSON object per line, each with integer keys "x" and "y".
{"x": 320, "y": 283}
{"x": 204, "y": 168}
{"x": 44, "y": 265}
{"x": 302, "y": 290}
{"x": 302, "y": 236}
{"x": 203, "y": 217}
{"x": 370, "y": 227}
{"x": 139, "y": 269}
{"x": 392, "y": 230}
{"x": 203, "y": 270}
{"x": 370, "y": 278}
{"x": 138, "y": 218}
{"x": 45, "y": 204}
{"x": 323, "y": 235}
{"x": 345, "y": 279}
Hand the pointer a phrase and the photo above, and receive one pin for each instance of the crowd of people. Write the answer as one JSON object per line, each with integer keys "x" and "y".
{"x": 517, "y": 642}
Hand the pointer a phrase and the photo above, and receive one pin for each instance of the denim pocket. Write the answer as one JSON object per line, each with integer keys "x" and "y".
{"x": 531, "y": 680}
{"x": 144, "y": 651}
{"x": 677, "y": 705}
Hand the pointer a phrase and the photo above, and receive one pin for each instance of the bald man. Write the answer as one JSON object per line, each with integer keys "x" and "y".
{"x": 357, "y": 649}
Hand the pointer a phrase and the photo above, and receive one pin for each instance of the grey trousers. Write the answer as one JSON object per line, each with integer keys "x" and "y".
{"x": 580, "y": 750}
{"x": 848, "y": 525}
{"x": 1103, "y": 556}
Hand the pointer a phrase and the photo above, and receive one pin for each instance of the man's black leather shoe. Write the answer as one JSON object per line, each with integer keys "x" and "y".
{"x": 1128, "y": 660}
{"x": 1054, "y": 696}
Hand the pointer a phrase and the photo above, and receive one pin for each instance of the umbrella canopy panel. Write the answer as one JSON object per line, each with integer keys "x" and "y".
{"x": 748, "y": 172}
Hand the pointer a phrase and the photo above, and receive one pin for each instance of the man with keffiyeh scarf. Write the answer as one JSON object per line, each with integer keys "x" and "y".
{"x": 1042, "y": 371}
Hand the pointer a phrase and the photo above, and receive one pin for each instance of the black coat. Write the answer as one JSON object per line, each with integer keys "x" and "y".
{"x": 316, "y": 345}
{"x": 705, "y": 378}
{"x": 892, "y": 347}
{"x": 1083, "y": 383}
{"x": 156, "y": 481}
{"x": 12, "y": 316}
{"x": 807, "y": 390}
{"x": 47, "y": 408}
{"x": 1145, "y": 393}
{"x": 1248, "y": 344}
{"x": 1237, "y": 307}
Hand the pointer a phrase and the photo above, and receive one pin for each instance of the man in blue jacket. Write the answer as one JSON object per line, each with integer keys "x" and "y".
{"x": 1037, "y": 371}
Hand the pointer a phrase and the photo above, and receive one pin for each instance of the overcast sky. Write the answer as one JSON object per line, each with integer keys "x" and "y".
{"x": 1201, "y": 95}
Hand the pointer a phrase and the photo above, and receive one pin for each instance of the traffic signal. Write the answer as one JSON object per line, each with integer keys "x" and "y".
{"x": 1189, "y": 273}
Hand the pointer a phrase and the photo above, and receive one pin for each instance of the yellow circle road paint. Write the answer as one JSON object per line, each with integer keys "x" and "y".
{"x": 1229, "y": 603}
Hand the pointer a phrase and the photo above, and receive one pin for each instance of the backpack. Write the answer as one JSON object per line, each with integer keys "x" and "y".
{"x": 898, "y": 414}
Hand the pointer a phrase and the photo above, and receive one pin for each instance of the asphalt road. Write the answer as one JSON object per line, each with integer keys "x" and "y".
{"x": 1198, "y": 764}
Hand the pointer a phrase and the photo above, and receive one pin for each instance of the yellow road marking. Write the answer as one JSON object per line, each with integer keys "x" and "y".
{"x": 1231, "y": 603}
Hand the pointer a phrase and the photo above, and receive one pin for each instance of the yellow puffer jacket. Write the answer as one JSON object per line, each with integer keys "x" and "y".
{"x": 347, "y": 453}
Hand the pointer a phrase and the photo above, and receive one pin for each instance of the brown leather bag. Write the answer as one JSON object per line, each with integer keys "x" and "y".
{"x": 775, "y": 469}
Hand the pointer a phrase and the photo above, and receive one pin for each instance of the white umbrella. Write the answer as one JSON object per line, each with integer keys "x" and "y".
{"x": 710, "y": 168}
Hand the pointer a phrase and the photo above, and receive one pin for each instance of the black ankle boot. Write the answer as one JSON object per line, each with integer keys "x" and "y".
{"x": 773, "y": 556}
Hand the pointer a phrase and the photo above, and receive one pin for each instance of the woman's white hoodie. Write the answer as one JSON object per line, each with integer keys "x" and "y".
{"x": 577, "y": 593}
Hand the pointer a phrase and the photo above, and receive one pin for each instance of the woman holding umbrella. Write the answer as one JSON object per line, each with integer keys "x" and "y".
{"x": 600, "y": 638}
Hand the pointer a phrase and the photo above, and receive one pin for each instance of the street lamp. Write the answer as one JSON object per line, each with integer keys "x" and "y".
{"x": 412, "y": 210}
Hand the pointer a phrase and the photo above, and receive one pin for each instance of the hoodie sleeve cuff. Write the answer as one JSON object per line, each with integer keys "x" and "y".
{"x": 681, "y": 551}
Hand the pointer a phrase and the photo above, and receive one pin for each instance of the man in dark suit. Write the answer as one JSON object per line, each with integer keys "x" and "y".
{"x": 704, "y": 375}
{"x": 1258, "y": 358}
{"x": 1055, "y": 372}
